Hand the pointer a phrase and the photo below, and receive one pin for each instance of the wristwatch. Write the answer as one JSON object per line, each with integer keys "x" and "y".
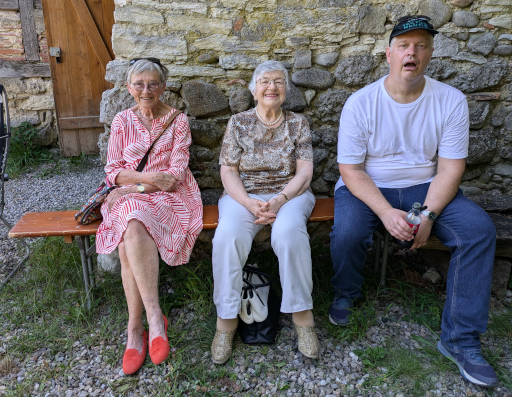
{"x": 140, "y": 188}
{"x": 431, "y": 215}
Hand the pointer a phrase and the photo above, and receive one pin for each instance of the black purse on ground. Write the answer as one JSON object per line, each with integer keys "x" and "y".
{"x": 258, "y": 289}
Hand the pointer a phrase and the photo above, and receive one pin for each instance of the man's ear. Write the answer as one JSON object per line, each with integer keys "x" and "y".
{"x": 388, "y": 54}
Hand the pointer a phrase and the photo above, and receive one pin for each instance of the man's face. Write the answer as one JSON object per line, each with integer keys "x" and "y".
{"x": 410, "y": 54}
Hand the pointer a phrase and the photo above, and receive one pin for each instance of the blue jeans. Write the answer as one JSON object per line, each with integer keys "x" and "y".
{"x": 463, "y": 227}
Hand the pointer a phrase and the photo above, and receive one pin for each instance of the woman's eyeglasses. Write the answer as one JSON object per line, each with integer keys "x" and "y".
{"x": 154, "y": 60}
{"x": 151, "y": 86}
{"x": 279, "y": 83}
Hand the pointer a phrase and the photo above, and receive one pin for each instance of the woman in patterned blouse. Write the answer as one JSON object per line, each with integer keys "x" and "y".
{"x": 266, "y": 169}
{"x": 155, "y": 211}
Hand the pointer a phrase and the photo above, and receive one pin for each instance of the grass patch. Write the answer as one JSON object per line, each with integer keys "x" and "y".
{"x": 23, "y": 153}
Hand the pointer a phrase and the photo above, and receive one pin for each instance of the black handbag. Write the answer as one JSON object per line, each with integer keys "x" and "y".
{"x": 263, "y": 332}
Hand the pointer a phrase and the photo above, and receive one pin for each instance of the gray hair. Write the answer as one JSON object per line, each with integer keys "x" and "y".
{"x": 144, "y": 65}
{"x": 268, "y": 66}
{"x": 431, "y": 39}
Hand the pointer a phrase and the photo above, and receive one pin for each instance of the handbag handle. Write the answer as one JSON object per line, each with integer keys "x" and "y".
{"x": 144, "y": 160}
{"x": 255, "y": 270}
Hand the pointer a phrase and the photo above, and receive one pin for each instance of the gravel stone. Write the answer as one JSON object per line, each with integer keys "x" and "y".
{"x": 465, "y": 19}
{"x": 437, "y": 10}
{"x": 294, "y": 100}
{"x": 356, "y": 71}
{"x": 326, "y": 60}
{"x": 318, "y": 79}
{"x": 444, "y": 46}
{"x": 203, "y": 99}
{"x": 505, "y": 49}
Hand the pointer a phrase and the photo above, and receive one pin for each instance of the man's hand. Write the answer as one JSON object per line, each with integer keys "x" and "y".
{"x": 423, "y": 234}
{"x": 163, "y": 181}
{"x": 394, "y": 222}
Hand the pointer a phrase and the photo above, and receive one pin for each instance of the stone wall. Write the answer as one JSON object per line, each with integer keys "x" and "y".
{"x": 331, "y": 48}
{"x": 30, "y": 99}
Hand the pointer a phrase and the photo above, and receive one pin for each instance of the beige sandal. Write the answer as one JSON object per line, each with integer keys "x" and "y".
{"x": 222, "y": 346}
{"x": 308, "y": 341}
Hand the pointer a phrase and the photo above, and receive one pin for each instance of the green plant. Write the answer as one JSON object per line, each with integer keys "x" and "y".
{"x": 23, "y": 152}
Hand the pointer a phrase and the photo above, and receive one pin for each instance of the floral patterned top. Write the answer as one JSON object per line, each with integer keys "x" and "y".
{"x": 266, "y": 157}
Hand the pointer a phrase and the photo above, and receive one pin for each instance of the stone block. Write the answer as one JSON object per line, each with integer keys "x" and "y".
{"x": 110, "y": 263}
{"x": 468, "y": 56}
{"x": 505, "y": 37}
{"x": 504, "y": 170}
{"x": 223, "y": 43}
{"x": 440, "y": 70}
{"x": 499, "y": 114}
{"x": 203, "y": 99}
{"x": 326, "y": 60}
{"x": 320, "y": 156}
{"x": 437, "y": 10}
{"x": 211, "y": 196}
{"x": 203, "y": 25}
{"x": 103, "y": 143}
{"x": 480, "y": 78}
{"x": 302, "y": 59}
{"x": 195, "y": 71}
{"x": 205, "y": 133}
{"x": 240, "y": 100}
{"x": 503, "y": 50}
{"x": 500, "y": 277}
{"x": 38, "y": 102}
{"x": 114, "y": 101}
{"x": 502, "y": 21}
{"x": 138, "y": 16}
{"x": 117, "y": 71}
{"x": 461, "y": 3}
{"x": 371, "y": 19}
{"x": 313, "y": 78}
{"x": 484, "y": 96}
{"x": 356, "y": 71}
{"x": 194, "y": 8}
{"x": 478, "y": 111}
{"x": 130, "y": 43}
{"x": 465, "y": 19}
{"x": 482, "y": 43}
{"x": 46, "y": 135}
{"x": 207, "y": 58}
{"x": 444, "y": 46}
{"x": 17, "y": 120}
{"x": 482, "y": 145}
{"x": 320, "y": 186}
{"x": 309, "y": 95}
{"x": 294, "y": 99}
{"x": 241, "y": 61}
{"x": 329, "y": 104}
{"x": 296, "y": 41}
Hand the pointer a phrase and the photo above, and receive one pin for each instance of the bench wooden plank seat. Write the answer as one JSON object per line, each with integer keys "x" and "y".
{"x": 63, "y": 223}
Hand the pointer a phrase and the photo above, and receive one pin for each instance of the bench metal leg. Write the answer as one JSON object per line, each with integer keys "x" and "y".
{"x": 80, "y": 240}
{"x": 23, "y": 260}
{"x": 385, "y": 252}
{"x": 378, "y": 245}
{"x": 89, "y": 259}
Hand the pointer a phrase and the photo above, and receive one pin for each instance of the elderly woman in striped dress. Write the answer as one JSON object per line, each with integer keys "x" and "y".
{"x": 158, "y": 210}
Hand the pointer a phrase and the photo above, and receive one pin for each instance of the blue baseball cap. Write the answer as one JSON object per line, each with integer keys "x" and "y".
{"x": 412, "y": 22}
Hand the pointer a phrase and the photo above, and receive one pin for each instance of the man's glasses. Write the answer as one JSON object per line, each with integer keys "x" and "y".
{"x": 279, "y": 83}
{"x": 151, "y": 86}
{"x": 154, "y": 60}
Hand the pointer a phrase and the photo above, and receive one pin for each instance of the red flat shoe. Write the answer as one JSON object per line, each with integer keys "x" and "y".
{"x": 132, "y": 360}
{"x": 159, "y": 349}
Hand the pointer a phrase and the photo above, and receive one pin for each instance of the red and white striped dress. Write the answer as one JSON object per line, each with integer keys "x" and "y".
{"x": 173, "y": 219}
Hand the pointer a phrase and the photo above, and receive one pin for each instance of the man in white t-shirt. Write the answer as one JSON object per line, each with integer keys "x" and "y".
{"x": 404, "y": 139}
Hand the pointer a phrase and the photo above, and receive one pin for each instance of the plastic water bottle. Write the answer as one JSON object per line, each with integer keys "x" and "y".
{"x": 413, "y": 219}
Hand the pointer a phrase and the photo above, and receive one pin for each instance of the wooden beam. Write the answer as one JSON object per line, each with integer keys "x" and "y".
{"x": 72, "y": 123}
{"x": 28, "y": 26}
{"x": 24, "y": 69}
{"x": 92, "y": 32}
{"x": 9, "y": 5}
{"x": 38, "y": 4}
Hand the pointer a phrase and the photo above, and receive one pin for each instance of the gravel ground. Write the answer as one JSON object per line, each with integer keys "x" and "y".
{"x": 94, "y": 369}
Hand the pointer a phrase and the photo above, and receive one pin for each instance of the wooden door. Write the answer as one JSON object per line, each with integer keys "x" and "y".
{"x": 82, "y": 29}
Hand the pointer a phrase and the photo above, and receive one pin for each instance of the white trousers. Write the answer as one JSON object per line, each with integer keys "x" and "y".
{"x": 290, "y": 242}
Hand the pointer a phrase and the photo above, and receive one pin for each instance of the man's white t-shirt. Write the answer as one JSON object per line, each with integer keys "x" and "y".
{"x": 398, "y": 142}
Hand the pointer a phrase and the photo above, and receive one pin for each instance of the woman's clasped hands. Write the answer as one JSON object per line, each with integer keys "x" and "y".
{"x": 264, "y": 211}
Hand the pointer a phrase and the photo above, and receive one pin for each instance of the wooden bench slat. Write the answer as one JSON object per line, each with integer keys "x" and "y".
{"x": 62, "y": 223}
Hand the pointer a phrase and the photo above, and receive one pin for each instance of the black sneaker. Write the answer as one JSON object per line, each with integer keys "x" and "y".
{"x": 473, "y": 367}
{"x": 340, "y": 311}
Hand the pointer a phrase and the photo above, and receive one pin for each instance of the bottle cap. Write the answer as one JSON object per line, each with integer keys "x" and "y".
{"x": 416, "y": 206}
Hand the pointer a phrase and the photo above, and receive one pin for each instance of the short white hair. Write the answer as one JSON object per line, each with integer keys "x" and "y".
{"x": 265, "y": 67}
{"x": 145, "y": 65}
{"x": 431, "y": 39}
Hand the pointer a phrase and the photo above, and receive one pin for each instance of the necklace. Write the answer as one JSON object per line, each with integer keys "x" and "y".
{"x": 157, "y": 113}
{"x": 279, "y": 118}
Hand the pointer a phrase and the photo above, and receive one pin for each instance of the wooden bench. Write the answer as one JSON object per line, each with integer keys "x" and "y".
{"x": 63, "y": 223}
